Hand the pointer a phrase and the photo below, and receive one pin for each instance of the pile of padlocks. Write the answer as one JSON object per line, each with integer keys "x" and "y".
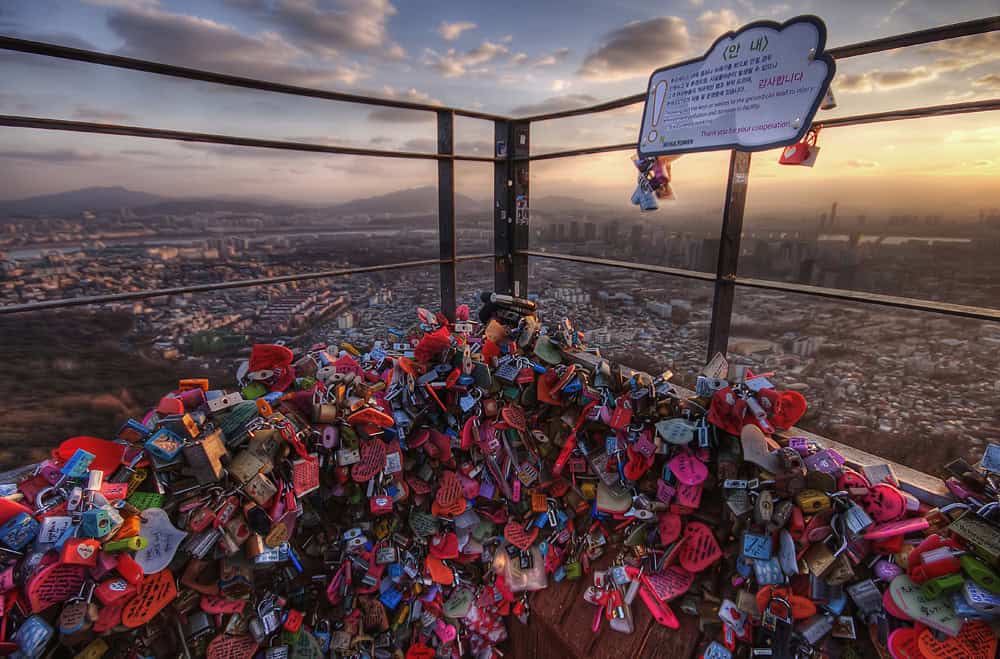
{"x": 405, "y": 499}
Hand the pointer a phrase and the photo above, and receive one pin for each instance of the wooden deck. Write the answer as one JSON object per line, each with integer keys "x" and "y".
{"x": 560, "y": 622}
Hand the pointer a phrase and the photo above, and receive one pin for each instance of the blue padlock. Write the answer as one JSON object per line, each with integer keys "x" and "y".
{"x": 757, "y": 546}
{"x": 78, "y": 465}
{"x": 18, "y": 531}
{"x": 390, "y": 597}
{"x": 97, "y": 523}
{"x": 33, "y": 636}
{"x": 164, "y": 445}
{"x": 768, "y": 573}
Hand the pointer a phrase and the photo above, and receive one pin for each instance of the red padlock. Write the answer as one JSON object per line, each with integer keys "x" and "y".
{"x": 622, "y": 416}
{"x": 129, "y": 568}
{"x": 81, "y": 551}
{"x": 798, "y": 154}
{"x": 381, "y": 504}
{"x": 293, "y": 622}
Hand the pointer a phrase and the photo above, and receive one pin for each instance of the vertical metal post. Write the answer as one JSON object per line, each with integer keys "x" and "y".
{"x": 446, "y": 211}
{"x": 729, "y": 252}
{"x": 511, "y": 213}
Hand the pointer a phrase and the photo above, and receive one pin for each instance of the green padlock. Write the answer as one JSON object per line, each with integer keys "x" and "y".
{"x": 547, "y": 351}
{"x": 144, "y": 500}
{"x": 127, "y": 544}
{"x": 511, "y": 393}
{"x": 573, "y": 570}
{"x": 253, "y": 390}
{"x": 945, "y": 585}
{"x": 980, "y": 573}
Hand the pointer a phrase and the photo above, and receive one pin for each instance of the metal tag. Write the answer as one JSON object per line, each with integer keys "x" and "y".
{"x": 984, "y": 538}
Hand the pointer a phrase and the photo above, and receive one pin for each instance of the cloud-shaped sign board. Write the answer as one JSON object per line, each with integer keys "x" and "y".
{"x": 756, "y": 88}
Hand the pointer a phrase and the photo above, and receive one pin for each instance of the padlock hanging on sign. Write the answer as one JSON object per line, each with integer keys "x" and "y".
{"x": 802, "y": 153}
{"x": 653, "y": 181}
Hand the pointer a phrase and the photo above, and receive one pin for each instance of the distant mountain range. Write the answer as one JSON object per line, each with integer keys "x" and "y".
{"x": 413, "y": 201}
{"x": 77, "y": 201}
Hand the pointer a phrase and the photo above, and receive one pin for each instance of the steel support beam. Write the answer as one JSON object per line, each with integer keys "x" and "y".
{"x": 446, "y": 211}
{"x": 729, "y": 252}
{"x": 511, "y": 212}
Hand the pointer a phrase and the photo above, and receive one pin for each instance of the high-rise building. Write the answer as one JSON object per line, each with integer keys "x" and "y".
{"x": 635, "y": 239}
{"x": 833, "y": 216}
{"x": 589, "y": 231}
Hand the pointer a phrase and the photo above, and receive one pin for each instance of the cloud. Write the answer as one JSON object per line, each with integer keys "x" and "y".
{"x": 892, "y": 12}
{"x": 952, "y": 55}
{"x": 53, "y": 156}
{"x": 453, "y": 64}
{"x": 555, "y": 104}
{"x": 552, "y": 58}
{"x": 326, "y": 28}
{"x": 400, "y": 115}
{"x": 452, "y": 31}
{"x": 713, "y": 24}
{"x": 560, "y": 85}
{"x": 878, "y": 80}
{"x": 983, "y": 163}
{"x": 963, "y": 53}
{"x": 862, "y": 164}
{"x": 989, "y": 82}
{"x": 204, "y": 43}
{"x": 379, "y": 140}
{"x": 637, "y": 48}
{"x": 102, "y": 114}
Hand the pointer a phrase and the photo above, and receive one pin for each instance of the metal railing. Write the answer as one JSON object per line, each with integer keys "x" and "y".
{"x": 511, "y": 183}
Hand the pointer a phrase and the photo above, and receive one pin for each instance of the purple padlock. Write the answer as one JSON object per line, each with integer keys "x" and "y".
{"x": 887, "y": 571}
{"x": 331, "y": 437}
{"x": 825, "y": 461}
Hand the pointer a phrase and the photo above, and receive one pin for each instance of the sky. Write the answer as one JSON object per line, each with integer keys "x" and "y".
{"x": 505, "y": 57}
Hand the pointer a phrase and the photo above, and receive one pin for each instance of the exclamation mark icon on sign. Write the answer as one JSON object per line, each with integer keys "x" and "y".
{"x": 658, "y": 98}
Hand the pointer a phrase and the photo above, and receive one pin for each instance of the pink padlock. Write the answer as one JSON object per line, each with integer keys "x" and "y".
{"x": 444, "y": 631}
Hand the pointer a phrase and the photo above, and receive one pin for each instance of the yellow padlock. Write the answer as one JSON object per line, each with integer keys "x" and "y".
{"x": 812, "y": 501}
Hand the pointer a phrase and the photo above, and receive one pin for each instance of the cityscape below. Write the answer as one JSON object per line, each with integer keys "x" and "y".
{"x": 915, "y": 388}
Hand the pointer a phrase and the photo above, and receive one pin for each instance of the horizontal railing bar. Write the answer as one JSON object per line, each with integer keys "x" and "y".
{"x": 585, "y": 151}
{"x": 911, "y": 113}
{"x": 626, "y": 265}
{"x": 914, "y": 304}
{"x": 47, "y": 305}
{"x": 473, "y": 257}
{"x": 120, "y": 62}
{"x": 45, "y": 123}
{"x": 852, "y": 120}
{"x": 919, "y": 37}
{"x": 930, "y": 35}
{"x": 946, "y": 308}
